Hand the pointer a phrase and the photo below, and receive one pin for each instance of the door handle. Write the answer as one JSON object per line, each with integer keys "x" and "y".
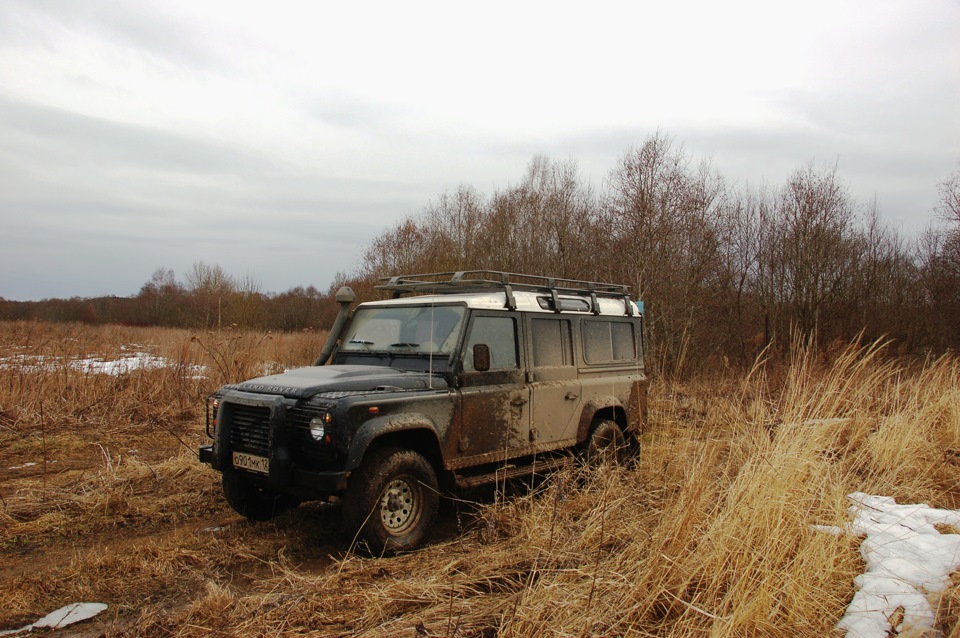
{"x": 518, "y": 401}
{"x": 570, "y": 396}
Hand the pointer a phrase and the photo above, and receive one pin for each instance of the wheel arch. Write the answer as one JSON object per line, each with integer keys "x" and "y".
{"x": 408, "y": 431}
{"x": 606, "y": 408}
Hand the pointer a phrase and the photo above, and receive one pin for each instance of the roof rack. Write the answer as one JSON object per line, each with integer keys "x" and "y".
{"x": 486, "y": 280}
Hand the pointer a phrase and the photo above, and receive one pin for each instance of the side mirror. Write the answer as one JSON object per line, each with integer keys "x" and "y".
{"x": 481, "y": 357}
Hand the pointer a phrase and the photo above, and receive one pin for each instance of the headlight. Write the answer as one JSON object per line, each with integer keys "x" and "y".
{"x": 320, "y": 428}
{"x": 317, "y": 428}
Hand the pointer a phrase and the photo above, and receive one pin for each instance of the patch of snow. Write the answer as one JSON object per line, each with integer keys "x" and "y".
{"x": 72, "y": 613}
{"x": 126, "y": 363}
{"x": 24, "y": 362}
{"x": 137, "y": 360}
{"x": 907, "y": 560}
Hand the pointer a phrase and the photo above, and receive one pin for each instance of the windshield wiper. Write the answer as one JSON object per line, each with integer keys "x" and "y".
{"x": 363, "y": 342}
{"x": 405, "y": 344}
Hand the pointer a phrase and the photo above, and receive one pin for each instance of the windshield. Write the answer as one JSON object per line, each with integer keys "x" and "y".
{"x": 404, "y": 329}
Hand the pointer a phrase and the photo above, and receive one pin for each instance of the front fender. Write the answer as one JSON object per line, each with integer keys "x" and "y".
{"x": 378, "y": 426}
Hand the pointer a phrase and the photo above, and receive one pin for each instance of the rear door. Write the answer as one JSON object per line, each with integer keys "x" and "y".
{"x": 554, "y": 382}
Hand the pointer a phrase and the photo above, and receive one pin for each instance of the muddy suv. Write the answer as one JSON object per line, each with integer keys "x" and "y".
{"x": 460, "y": 379}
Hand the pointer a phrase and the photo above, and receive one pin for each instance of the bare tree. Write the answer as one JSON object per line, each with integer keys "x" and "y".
{"x": 161, "y": 298}
{"x": 454, "y": 225}
{"x": 544, "y": 225}
{"x": 948, "y": 209}
{"x": 246, "y": 303}
{"x": 814, "y": 246}
{"x": 939, "y": 259}
{"x": 209, "y": 286}
{"x": 743, "y": 318}
{"x": 664, "y": 216}
{"x": 949, "y": 205}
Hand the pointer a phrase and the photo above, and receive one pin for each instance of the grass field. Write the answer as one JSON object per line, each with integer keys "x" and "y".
{"x": 711, "y": 533}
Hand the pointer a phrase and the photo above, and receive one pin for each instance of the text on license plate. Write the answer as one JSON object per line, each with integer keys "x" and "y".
{"x": 252, "y": 463}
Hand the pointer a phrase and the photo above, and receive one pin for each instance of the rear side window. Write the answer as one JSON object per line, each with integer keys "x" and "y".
{"x": 605, "y": 341}
{"x": 551, "y": 343}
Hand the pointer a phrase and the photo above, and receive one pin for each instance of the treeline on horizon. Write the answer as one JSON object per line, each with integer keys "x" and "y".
{"x": 208, "y": 298}
{"x": 724, "y": 272}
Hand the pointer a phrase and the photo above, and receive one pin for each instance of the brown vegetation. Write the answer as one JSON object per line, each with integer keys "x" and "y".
{"x": 726, "y": 271}
{"x": 709, "y": 533}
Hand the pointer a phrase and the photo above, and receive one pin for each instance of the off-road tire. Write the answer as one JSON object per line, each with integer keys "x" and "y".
{"x": 252, "y": 501}
{"x": 392, "y": 500}
{"x": 606, "y": 443}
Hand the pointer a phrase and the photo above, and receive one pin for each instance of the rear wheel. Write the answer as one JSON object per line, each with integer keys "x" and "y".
{"x": 252, "y": 501}
{"x": 606, "y": 444}
{"x": 392, "y": 500}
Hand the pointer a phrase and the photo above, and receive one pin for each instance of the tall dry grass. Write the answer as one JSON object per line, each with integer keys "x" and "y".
{"x": 711, "y": 532}
{"x": 72, "y": 436}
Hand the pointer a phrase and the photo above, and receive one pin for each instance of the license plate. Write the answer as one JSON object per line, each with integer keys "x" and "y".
{"x": 260, "y": 464}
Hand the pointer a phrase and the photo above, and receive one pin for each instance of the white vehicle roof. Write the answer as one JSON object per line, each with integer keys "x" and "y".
{"x": 497, "y": 290}
{"x": 526, "y": 302}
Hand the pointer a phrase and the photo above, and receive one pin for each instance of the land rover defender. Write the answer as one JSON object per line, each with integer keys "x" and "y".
{"x": 459, "y": 379}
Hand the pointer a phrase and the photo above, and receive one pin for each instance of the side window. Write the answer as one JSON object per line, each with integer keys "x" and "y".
{"x": 624, "y": 341}
{"x": 609, "y": 341}
{"x": 551, "y": 342}
{"x": 500, "y": 334}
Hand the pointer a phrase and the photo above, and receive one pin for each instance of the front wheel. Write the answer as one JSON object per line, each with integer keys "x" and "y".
{"x": 392, "y": 500}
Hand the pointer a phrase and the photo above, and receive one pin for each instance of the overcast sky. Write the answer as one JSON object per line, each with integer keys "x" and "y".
{"x": 277, "y": 139}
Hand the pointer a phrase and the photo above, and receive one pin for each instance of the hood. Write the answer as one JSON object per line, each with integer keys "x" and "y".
{"x": 303, "y": 383}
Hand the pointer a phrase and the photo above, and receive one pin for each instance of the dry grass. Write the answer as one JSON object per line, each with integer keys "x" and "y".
{"x": 710, "y": 533}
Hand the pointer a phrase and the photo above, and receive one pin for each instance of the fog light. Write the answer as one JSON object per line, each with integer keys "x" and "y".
{"x": 317, "y": 428}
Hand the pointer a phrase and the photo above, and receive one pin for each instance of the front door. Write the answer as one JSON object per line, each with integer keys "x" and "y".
{"x": 494, "y": 414}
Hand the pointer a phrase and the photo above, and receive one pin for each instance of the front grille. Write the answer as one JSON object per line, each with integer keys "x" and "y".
{"x": 249, "y": 428}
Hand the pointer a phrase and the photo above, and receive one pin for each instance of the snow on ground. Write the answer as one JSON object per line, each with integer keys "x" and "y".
{"x": 126, "y": 363}
{"x": 137, "y": 360}
{"x": 72, "y": 613}
{"x": 909, "y": 561}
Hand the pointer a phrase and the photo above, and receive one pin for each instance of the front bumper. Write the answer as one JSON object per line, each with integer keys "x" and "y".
{"x": 326, "y": 482}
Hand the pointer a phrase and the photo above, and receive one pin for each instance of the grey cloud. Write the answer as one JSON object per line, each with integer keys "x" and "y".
{"x": 351, "y": 112}
{"x": 89, "y": 208}
{"x": 141, "y": 26}
{"x": 65, "y": 136}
